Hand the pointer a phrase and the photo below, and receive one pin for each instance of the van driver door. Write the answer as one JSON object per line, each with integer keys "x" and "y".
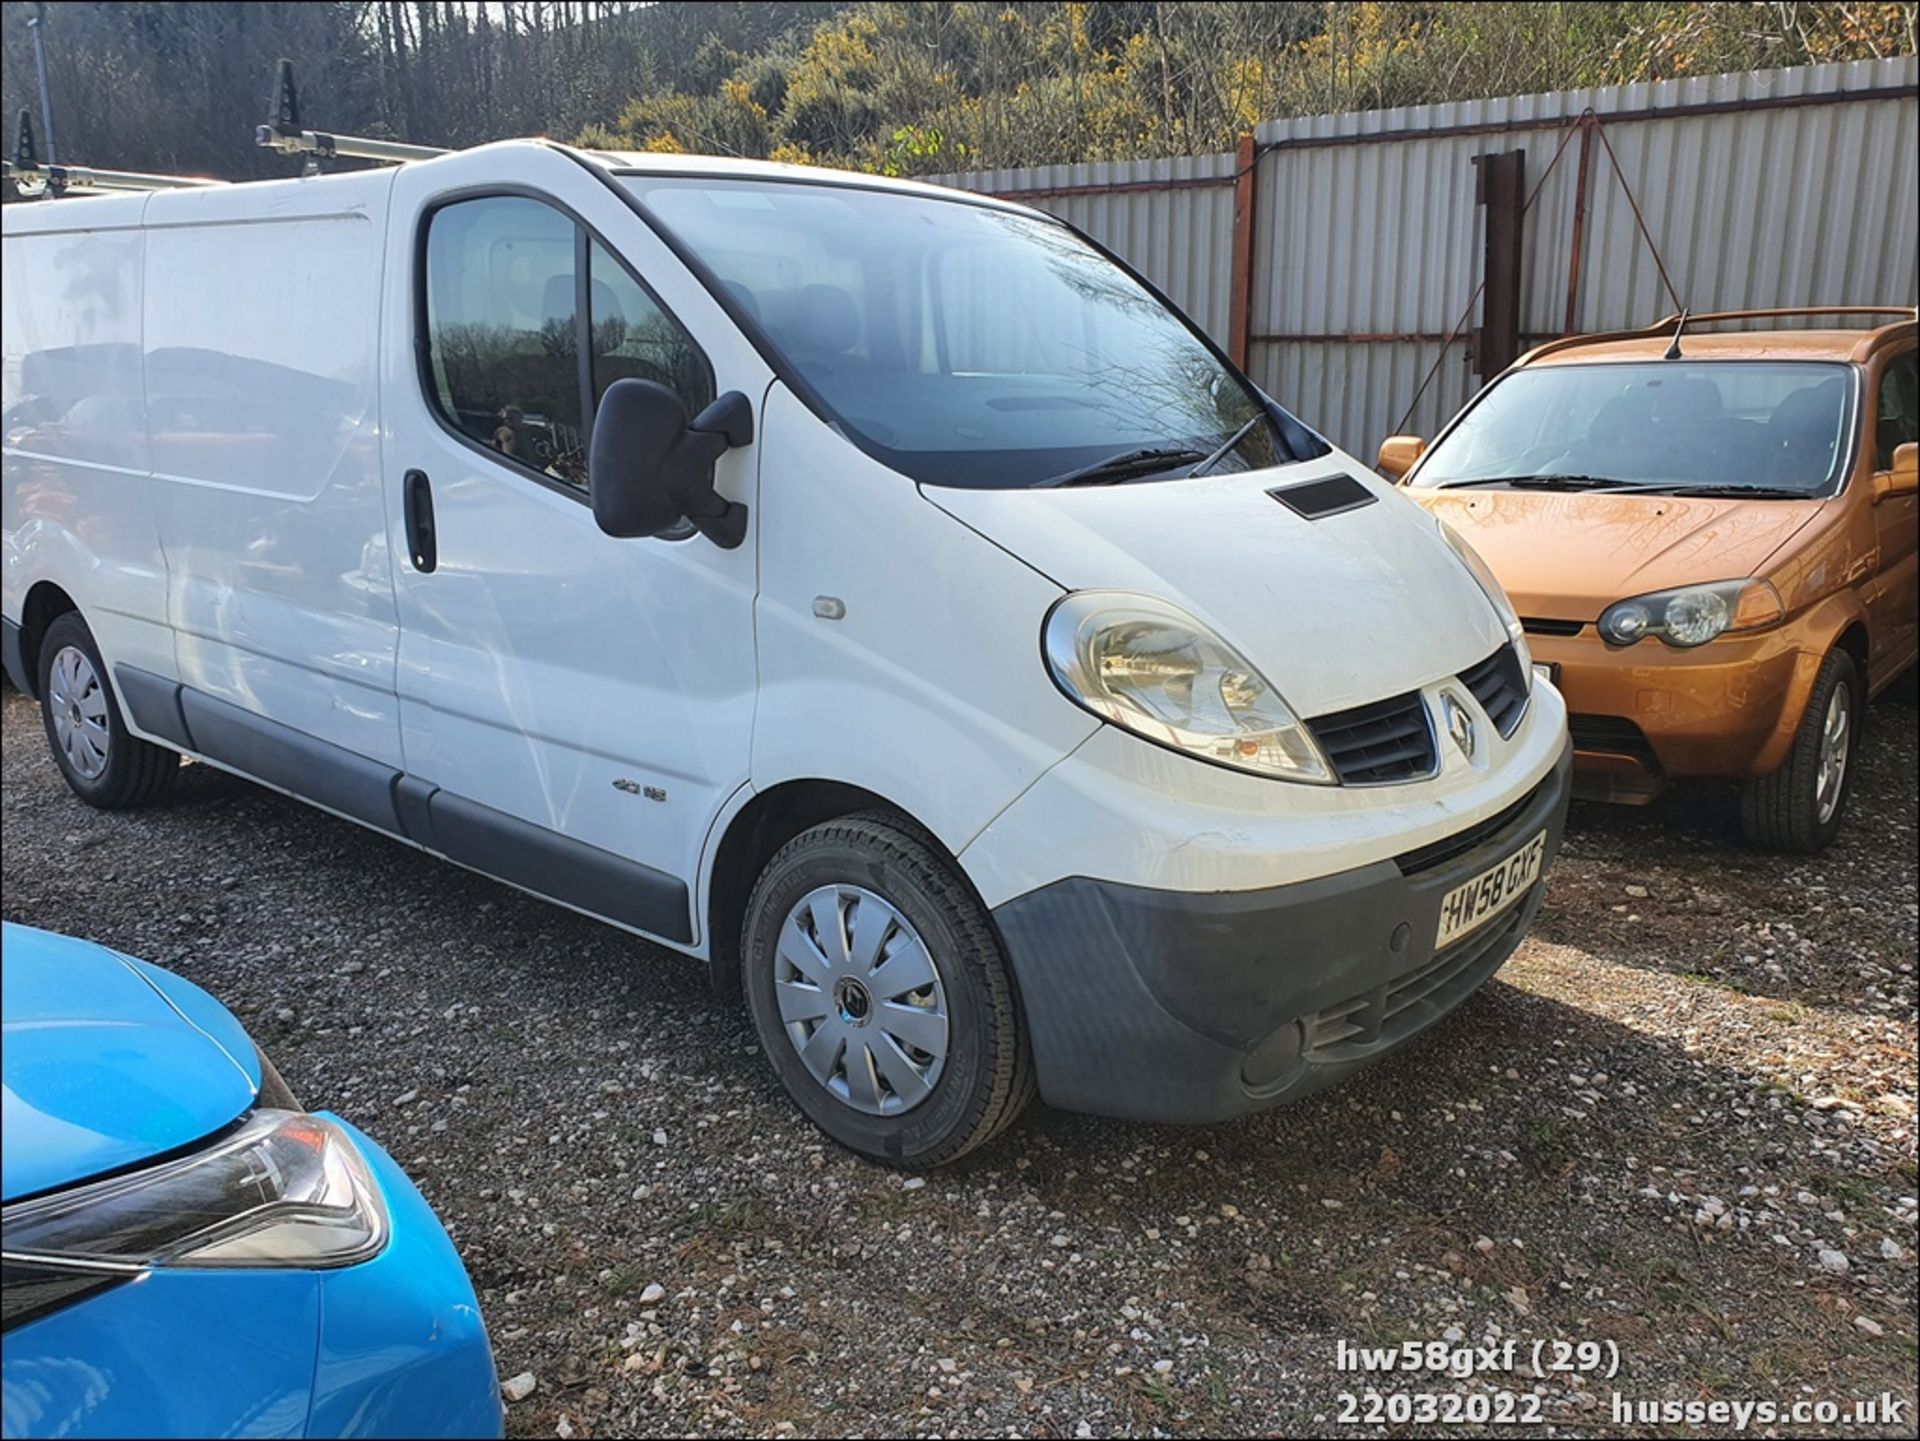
{"x": 575, "y": 709}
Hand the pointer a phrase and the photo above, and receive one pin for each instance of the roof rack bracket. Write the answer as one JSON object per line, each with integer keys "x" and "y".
{"x": 36, "y": 181}
{"x": 284, "y": 132}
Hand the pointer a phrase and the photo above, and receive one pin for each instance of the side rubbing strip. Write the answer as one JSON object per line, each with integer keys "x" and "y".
{"x": 550, "y": 864}
{"x": 153, "y": 705}
{"x": 410, "y": 797}
{"x": 315, "y": 770}
{"x": 542, "y": 861}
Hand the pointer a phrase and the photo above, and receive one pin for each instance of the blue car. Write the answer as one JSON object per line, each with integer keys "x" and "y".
{"x": 187, "y": 1252}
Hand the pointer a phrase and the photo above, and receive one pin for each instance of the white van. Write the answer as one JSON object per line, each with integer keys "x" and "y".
{"x": 875, "y": 590}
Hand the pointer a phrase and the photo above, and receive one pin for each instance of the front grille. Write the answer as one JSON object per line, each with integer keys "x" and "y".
{"x": 1615, "y": 735}
{"x": 1380, "y": 743}
{"x": 1500, "y": 685}
{"x": 1438, "y": 853}
{"x": 1407, "y": 1003}
{"x": 1536, "y": 625}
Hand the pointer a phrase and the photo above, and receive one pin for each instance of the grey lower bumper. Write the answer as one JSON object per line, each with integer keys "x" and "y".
{"x": 1187, "y": 1007}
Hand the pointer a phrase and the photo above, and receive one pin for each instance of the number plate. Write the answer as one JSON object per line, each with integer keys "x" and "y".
{"x": 1473, "y": 903}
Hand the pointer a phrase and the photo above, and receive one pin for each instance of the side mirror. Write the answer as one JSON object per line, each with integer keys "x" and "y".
{"x": 1397, "y": 455}
{"x": 649, "y": 467}
{"x": 1904, "y": 476}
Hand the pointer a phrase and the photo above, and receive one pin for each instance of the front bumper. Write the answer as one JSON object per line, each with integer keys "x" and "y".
{"x": 1643, "y": 714}
{"x": 1179, "y": 1006}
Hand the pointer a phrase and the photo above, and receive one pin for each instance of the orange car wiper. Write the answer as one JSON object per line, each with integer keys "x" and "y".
{"x": 1545, "y": 482}
{"x": 1752, "y": 492}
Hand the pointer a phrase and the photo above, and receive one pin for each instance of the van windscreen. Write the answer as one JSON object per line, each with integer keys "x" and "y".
{"x": 962, "y": 344}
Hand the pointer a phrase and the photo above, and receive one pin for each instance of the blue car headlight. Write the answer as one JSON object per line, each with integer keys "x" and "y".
{"x": 283, "y": 1189}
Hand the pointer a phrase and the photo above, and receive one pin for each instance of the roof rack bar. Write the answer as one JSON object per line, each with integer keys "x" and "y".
{"x": 1699, "y": 317}
{"x": 1669, "y": 324}
{"x": 36, "y": 180}
{"x": 284, "y": 133}
{"x": 59, "y": 179}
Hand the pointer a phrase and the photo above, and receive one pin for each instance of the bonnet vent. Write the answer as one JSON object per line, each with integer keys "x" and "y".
{"x": 1330, "y": 495}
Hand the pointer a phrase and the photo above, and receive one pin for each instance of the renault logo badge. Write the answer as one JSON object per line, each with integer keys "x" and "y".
{"x": 1459, "y": 722}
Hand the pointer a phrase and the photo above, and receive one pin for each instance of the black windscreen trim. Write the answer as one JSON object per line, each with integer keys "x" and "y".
{"x": 1328, "y": 495}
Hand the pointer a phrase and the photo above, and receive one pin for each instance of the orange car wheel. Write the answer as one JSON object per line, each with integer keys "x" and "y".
{"x": 1798, "y": 809}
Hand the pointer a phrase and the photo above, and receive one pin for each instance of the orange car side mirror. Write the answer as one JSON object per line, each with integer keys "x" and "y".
{"x": 1397, "y": 455}
{"x": 1903, "y": 478}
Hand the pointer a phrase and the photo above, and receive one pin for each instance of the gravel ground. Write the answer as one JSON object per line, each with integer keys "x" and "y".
{"x": 1681, "y": 1121}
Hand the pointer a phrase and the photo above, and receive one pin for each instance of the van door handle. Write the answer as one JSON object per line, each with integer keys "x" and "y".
{"x": 417, "y": 501}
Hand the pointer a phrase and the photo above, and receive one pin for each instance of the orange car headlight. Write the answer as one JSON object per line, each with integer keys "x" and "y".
{"x": 1693, "y": 614}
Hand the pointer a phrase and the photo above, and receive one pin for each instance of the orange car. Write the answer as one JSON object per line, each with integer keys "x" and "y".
{"x": 1711, "y": 540}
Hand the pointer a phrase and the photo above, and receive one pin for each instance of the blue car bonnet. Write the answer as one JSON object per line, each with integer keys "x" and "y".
{"x": 107, "y": 1062}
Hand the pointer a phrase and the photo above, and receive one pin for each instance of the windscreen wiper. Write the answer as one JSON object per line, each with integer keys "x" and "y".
{"x": 1754, "y": 492}
{"x": 1545, "y": 482}
{"x": 1143, "y": 461}
{"x": 1634, "y": 487}
{"x": 1228, "y": 444}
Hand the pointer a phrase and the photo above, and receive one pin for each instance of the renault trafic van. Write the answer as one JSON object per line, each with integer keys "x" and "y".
{"x": 877, "y": 591}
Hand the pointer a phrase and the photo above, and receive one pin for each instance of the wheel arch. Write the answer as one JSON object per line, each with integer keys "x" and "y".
{"x": 1837, "y": 623}
{"x": 1855, "y": 641}
{"x": 45, "y": 602}
{"x": 767, "y": 821}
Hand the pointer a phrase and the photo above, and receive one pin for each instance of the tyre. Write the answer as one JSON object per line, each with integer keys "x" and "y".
{"x": 104, "y": 763}
{"x": 1798, "y": 809}
{"x": 881, "y": 996}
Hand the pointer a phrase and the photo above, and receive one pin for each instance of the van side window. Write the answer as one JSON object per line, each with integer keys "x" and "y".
{"x": 501, "y": 337}
{"x": 1897, "y": 416}
{"x": 633, "y": 338}
{"x": 511, "y": 364}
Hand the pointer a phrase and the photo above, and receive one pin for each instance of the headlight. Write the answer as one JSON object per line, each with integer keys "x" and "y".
{"x": 1693, "y": 614}
{"x": 1496, "y": 596}
{"x": 1151, "y": 668}
{"x": 285, "y": 1189}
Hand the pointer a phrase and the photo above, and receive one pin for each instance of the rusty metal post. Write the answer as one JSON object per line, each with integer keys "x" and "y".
{"x": 1240, "y": 302}
{"x": 1585, "y": 122}
{"x": 1501, "y": 187}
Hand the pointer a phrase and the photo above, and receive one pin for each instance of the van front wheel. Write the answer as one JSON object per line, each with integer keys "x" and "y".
{"x": 880, "y": 994}
{"x": 104, "y": 763}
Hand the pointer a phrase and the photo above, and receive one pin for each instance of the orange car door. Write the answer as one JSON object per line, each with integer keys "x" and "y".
{"x": 1893, "y": 609}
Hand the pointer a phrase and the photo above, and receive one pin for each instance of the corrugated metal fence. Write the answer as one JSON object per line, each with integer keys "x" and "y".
{"x": 1783, "y": 187}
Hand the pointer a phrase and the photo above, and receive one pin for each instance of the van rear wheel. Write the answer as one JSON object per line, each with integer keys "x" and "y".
{"x": 104, "y": 763}
{"x": 880, "y": 994}
{"x": 1798, "y": 809}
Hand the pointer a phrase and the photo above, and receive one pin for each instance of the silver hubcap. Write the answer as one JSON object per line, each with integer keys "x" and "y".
{"x": 79, "y": 709}
{"x": 1836, "y": 739}
{"x": 860, "y": 1000}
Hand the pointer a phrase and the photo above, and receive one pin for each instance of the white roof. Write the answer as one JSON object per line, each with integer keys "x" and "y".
{"x": 107, "y": 210}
